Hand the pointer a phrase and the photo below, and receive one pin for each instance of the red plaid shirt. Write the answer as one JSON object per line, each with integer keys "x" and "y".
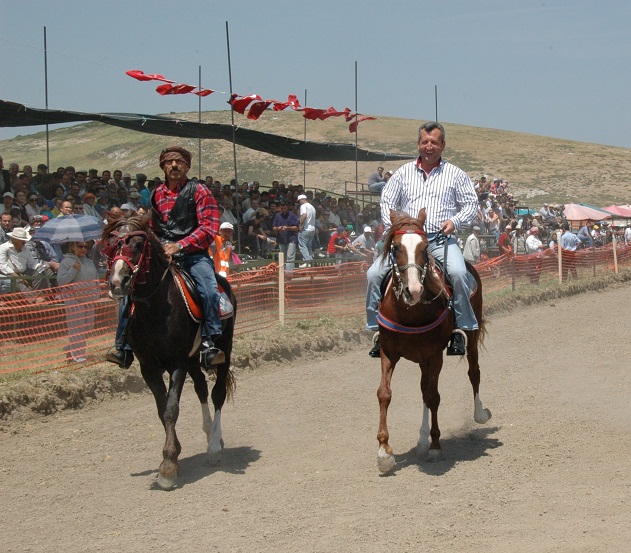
{"x": 207, "y": 215}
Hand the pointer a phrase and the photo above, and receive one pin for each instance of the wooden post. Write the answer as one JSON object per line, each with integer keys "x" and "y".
{"x": 615, "y": 253}
{"x": 560, "y": 257}
{"x": 281, "y": 288}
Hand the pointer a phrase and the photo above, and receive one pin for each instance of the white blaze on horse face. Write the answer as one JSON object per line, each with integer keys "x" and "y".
{"x": 116, "y": 278}
{"x": 412, "y": 277}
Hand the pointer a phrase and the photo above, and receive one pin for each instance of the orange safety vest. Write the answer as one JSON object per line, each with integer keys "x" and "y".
{"x": 221, "y": 256}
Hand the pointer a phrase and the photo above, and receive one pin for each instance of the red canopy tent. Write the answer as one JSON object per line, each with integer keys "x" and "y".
{"x": 581, "y": 213}
{"x": 621, "y": 210}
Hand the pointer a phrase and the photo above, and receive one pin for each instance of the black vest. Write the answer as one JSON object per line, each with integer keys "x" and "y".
{"x": 182, "y": 219}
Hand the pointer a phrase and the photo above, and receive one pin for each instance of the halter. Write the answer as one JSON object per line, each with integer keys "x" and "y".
{"x": 120, "y": 250}
{"x": 398, "y": 269}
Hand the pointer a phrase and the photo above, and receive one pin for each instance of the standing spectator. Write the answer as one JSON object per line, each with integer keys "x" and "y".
{"x": 307, "y": 228}
{"x": 77, "y": 270}
{"x": 569, "y": 243}
{"x": 286, "y": 225}
{"x": 504, "y": 241}
{"x": 221, "y": 249}
{"x": 472, "y": 246}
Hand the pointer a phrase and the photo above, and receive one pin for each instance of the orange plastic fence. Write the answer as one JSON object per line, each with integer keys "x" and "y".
{"x": 34, "y": 333}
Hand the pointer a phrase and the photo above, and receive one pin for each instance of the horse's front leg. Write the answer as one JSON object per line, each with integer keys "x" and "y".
{"x": 481, "y": 415}
{"x": 385, "y": 455}
{"x": 429, "y": 436}
{"x": 201, "y": 389}
{"x": 221, "y": 390}
{"x": 167, "y": 478}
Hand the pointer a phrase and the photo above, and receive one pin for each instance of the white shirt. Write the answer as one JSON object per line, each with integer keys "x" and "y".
{"x": 472, "y": 249}
{"x": 310, "y": 212}
{"x": 533, "y": 244}
{"x": 13, "y": 262}
{"x": 446, "y": 193}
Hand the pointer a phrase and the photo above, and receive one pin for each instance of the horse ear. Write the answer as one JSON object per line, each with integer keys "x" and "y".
{"x": 393, "y": 216}
{"x": 421, "y": 216}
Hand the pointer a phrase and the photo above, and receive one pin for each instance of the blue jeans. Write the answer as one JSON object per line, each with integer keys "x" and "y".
{"x": 290, "y": 254}
{"x": 377, "y": 187}
{"x": 202, "y": 269}
{"x": 457, "y": 271}
{"x": 305, "y": 244}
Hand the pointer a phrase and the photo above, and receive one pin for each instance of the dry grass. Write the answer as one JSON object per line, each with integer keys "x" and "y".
{"x": 538, "y": 168}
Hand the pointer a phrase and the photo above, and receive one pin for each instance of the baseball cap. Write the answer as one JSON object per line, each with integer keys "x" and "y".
{"x": 367, "y": 229}
{"x": 226, "y": 225}
{"x": 302, "y": 197}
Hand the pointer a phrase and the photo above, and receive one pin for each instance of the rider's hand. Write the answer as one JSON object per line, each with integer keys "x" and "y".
{"x": 448, "y": 227}
{"x": 171, "y": 248}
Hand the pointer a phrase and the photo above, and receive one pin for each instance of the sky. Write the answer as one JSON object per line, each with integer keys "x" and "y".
{"x": 556, "y": 68}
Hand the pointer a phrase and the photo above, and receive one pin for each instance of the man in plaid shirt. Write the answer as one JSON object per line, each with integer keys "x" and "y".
{"x": 185, "y": 217}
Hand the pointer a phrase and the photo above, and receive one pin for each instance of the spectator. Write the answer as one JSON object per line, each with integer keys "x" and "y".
{"x": 89, "y": 205}
{"x": 6, "y": 226}
{"x": 221, "y": 249}
{"x": 77, "y": 270}
{"x": 376, "y": 181}
{"x": 141, "y": 186}
{"x": 584, "y": 235}
{"x": 504, "y": 241}
{"x": 570, "y": 243}
{"x": 338, "y": 245}
{"x": 472, "y": 246}
{"x": 16, "y": 260}
{"x": 364, "y": 244}
{"x": 286, "y": 225}
{"x": 65, "y": 208}
{"x": 307, "y": 228}
{"x": 5, "y": 178}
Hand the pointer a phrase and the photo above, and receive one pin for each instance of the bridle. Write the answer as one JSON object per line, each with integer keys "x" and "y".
{"x": 399, "y": 290}
{"x": 120, "y": 250}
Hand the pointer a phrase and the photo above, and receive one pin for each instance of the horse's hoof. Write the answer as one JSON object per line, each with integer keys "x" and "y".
{"x": 434, "y": 455}
{"x": 385, "y": 461}
{"x": 482, "y": 417}
{"x": 167, "y": 482}
{"x": 422, "y": 448}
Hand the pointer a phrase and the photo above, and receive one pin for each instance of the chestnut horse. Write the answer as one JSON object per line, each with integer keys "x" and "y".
{"x": 416, "y": 321}
{"x": 164, "y": 336}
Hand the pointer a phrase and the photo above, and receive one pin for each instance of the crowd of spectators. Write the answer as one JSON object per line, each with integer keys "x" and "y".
{"x": 264, "y": 221}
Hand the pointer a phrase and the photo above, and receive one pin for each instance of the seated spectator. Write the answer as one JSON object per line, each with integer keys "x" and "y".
{"x": 364, "y": 244}
{"x": 377, "y": 181}
{"x": 338, "y": 244}
{"x": 15, "y": 261}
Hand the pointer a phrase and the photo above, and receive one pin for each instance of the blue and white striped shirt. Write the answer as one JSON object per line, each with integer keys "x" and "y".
{"x": 446, "y": 193}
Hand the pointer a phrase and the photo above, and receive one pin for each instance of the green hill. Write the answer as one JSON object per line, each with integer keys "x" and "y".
{"x": 538, "y": 168}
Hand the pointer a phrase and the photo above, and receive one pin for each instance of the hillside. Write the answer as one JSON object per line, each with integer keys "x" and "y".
{"x": 538, "y": 168}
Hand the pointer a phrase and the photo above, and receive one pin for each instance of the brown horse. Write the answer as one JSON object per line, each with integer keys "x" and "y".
{"x": 164, "y": 336}
{"x": 416, "y": 321}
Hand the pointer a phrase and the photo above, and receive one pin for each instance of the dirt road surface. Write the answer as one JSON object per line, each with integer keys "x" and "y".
{"x": 551, "y": 471}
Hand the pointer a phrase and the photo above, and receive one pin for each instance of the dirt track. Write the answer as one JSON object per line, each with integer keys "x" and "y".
{"x": 551, "y": 471}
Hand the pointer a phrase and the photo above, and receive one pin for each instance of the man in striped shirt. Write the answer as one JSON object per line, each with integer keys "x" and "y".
{"x": 451, "y": 203}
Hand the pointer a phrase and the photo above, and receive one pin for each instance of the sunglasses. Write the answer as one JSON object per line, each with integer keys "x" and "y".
{"x": 81, "y": 246}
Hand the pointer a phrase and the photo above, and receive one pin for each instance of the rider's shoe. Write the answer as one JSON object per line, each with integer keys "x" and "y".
{"x": 457, "y": 344}
{"x": 122, "y": 357}
{"x": 376, "y": 349}
{"x": 211, "y": 356}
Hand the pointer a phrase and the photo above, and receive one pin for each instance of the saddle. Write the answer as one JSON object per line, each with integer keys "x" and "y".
{"x": 192, "y": 299}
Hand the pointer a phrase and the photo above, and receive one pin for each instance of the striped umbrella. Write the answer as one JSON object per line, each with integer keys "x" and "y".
{"x": 69, "y": 228}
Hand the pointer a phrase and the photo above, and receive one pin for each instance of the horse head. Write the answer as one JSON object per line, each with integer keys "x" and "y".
{"x": 128, "y": 248}
{"x": 406, "y": 247}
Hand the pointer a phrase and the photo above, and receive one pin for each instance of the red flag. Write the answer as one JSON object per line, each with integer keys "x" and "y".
{"x": 353, "y": 126}
{"x": 243, "y": 102}
{"x": 165, "y": 89}
{"x": 140, "y": 75}
{"x": 332, "y": 112}
{"x": 258, "y": 108}
{"x": 312, "y": 113}
{"x": 292, "y": 101}
{"x": 203, "y": 92}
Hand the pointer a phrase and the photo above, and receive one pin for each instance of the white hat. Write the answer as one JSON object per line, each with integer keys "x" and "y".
{"x": 19, "y": 233}
{"x": 302, "y": 197}
{"x": 8, "y": 195}
{"x": 128, "y": 207}
{"x": 367, "y": 229}
{"x": 126, "y": 176}
{"x": 226, "y": 225}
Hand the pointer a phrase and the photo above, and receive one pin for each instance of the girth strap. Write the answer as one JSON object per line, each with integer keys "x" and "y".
{"x": 396, "y": 327}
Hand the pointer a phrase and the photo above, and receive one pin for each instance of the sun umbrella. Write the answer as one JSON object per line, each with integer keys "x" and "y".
{"x": 69, "y": 228}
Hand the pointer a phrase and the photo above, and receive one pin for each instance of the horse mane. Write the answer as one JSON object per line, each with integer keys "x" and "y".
{"x": 137, "y": 223}
{"x": 404, "y": 220}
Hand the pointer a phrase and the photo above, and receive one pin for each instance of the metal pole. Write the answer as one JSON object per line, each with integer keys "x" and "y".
{"x": 356, "y": 133}
{"x": 199, "y": 120}
{"x": 304, "y": 161}
{"x": 234, "y": 138}
{"x": 46, "y": 97}
{"x": 436, "y": 100}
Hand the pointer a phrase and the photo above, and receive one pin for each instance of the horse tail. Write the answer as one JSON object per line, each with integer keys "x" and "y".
{"x": 231, "y": 384}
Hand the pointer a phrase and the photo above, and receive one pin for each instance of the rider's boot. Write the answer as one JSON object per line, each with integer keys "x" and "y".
{"x": 211, "y": 356}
